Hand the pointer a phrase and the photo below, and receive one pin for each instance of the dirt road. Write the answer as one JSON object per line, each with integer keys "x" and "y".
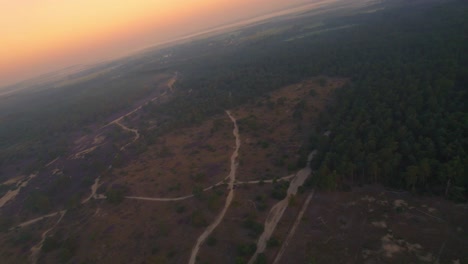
{"x": 32, "y": 221}
{"x": 230, "y": 197}
{"x": 276, "y": 212}
{"x": 293, "y": 228}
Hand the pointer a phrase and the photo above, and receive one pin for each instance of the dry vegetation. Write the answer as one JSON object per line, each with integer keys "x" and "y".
{"x": 184, "y": 162}
{"x": 274, "y": 128}
{"x": 374, "y": 225}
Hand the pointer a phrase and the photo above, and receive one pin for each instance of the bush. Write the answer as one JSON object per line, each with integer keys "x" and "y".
{"x": 246, "y": 250}
{"x": 116, "y": 194}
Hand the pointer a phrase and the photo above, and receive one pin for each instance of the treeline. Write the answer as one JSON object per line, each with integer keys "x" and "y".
{"x": 402, "y": 121}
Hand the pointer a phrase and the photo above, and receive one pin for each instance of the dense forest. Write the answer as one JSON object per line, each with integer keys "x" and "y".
{"x": 402, "y": 121}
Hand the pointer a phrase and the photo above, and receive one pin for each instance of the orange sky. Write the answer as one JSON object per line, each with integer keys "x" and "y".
{"x": 39, "y": 36}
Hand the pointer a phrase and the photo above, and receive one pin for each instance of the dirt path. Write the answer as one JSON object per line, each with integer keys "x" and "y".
{"x": 52, "y": 162}
{"x": 170, "y": 85}
{"x": 117, "y": 121}
{"x": 94, "y": 188}
{"x": 230, "y": 197}
{"x": 180, "y": 198}
{"x": 32, "y": 221}
{"x": 293, "y": 228}
{"x": 12, "y": 194}
{"x": 134, "y": 131}
{"x": 276, "y": 212}
{"x": 82, "y": 153}
{"x": 35, "y": 250}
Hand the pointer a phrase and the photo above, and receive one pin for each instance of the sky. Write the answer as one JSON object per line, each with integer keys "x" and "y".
{"x": 40, "y": 36}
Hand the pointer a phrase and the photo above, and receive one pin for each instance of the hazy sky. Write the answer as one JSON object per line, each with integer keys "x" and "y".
{"x": 38, "y": 36}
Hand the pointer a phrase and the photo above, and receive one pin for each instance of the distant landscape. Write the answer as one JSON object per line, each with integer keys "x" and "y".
{"x": 337, "y": 134}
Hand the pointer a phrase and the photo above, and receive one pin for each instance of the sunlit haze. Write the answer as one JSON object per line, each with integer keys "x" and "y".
{"x": 46, "y": 35}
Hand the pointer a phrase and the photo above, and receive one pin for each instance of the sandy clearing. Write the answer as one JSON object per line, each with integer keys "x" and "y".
{"x": 12, "y": 194}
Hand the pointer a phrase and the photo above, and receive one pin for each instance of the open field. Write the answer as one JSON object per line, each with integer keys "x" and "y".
{"x": 375, "y": 225}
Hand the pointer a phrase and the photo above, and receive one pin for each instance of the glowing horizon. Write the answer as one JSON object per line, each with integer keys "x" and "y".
{"x": 42, "y": 36}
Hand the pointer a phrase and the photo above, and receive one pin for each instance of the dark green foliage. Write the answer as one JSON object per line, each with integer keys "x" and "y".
{"x": 261, "y": 259}
{"x": 403, "y": 121}
{"x": 273, "y": 242}
{"x": 246, "y": 250}
{"x": 211, "y": 241}
{"x": 198, "y": 219}
{"x": 22, "y": 237}
{"x": 50, "y": 244}
{"x": 180, "y": 209}
{"x": 312, "y": 93}
{"x": 197, "y": 191}
{"x": 322, "y": 82}
{"x": 5, "y": 223}
{"x": 4, "y": 189}
{"x": 280, "y": 189}
{"x": 38, "y": 202}
{"x": 255, "y": 228}
{"x": 241, "y": 260}
{"x": 116, "y": 194}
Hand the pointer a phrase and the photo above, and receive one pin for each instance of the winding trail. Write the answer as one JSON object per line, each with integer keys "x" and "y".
{"x": 35, "y": 220}
{"x": 134, "y": 131}
{"x": 293, "y": 228}
{"x": 36, "y": 249}
{"x": 117, "y": 121}
{"x": 94, "y": 188}
{"x": 230, "y": 197}
{"x": 277, "y": 211}
{"x": 180, "y": 198}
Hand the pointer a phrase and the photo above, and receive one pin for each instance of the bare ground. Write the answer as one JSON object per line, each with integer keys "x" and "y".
{"x": 373, "y": 225}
